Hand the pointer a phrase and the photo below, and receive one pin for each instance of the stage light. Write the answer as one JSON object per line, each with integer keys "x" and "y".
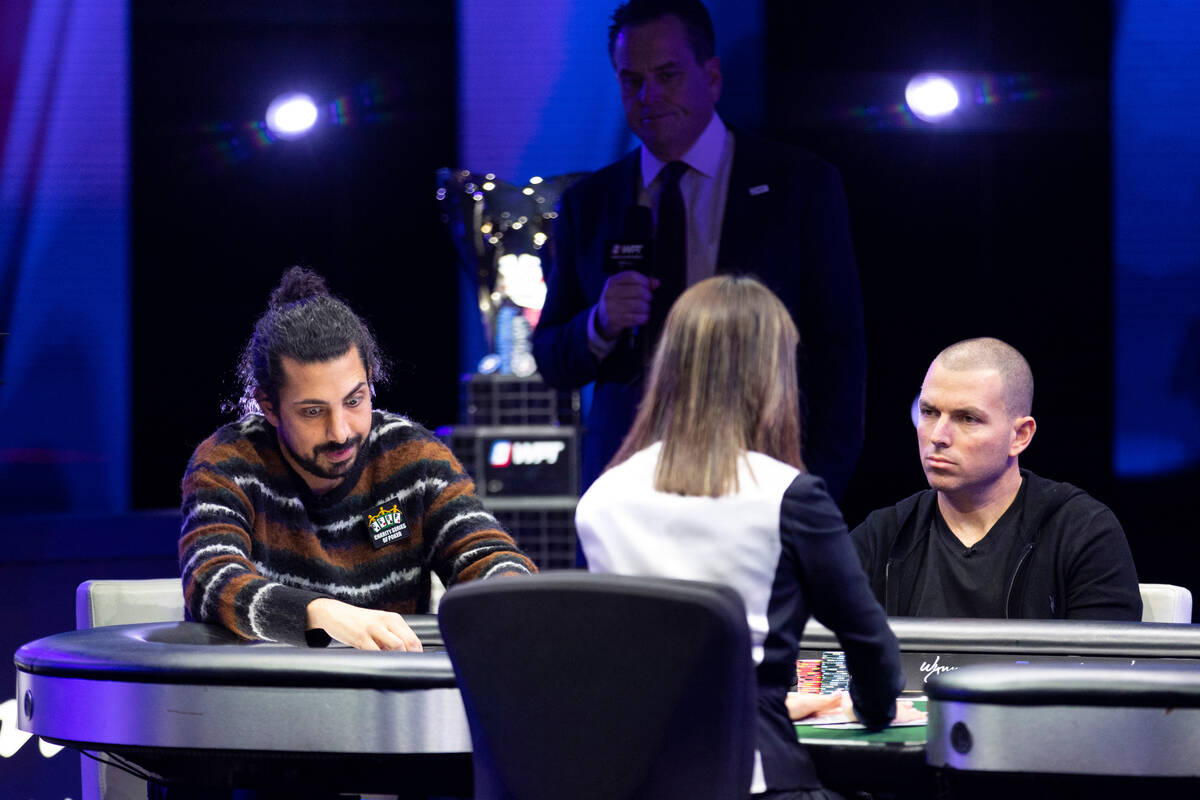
{"x": 291, "y": 115}
{"x": 931, "y": 97}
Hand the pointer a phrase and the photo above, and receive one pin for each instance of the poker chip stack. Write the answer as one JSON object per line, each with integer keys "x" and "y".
{"x": 808, "y": 675}
{"x": 834, "y": 675}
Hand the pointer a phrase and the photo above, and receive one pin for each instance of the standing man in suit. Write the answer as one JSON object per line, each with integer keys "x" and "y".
{"x": 722, "y": 201}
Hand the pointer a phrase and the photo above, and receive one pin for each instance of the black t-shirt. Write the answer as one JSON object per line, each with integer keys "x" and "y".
{"x": 962, "y": 581}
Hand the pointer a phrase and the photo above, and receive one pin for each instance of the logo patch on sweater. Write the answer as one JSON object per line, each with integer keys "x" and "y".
{"x": 387, "y": 526}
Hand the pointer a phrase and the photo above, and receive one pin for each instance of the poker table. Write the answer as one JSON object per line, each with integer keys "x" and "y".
{"x": 946, "y": 650}
{"x": 934, "y": 646}
{"x": 851, "y": 759}
{"x": 188, "y": 703}
{"x": 1067, "y": 729}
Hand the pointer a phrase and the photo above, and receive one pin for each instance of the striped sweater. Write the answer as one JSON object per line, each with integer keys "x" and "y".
{"x": 257, "y": 546}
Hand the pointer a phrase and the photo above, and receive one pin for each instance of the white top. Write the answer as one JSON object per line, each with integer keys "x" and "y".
{"x": 628, "y": 527}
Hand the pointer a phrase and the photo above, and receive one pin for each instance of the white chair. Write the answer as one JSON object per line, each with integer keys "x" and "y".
{"x": 121, "y": 602}
{"x": 1162, "y": 602}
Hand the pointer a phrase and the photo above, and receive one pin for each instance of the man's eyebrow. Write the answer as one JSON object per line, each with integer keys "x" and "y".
{"x": 314, "y": 402}
{"x": 671, "y": 64}
{"x": 971, "y": 410}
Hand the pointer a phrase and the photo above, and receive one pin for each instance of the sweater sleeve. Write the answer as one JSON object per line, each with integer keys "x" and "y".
{"x": 220, "y": 582}
{"x": 838, "y": 596}
{"x": 467, "y": 542}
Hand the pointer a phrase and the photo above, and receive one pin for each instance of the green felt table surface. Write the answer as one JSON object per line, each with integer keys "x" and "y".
{"x": 913, "y": 735}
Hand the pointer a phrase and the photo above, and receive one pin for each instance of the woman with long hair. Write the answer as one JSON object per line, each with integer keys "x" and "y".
{"x": 709, "y": 485}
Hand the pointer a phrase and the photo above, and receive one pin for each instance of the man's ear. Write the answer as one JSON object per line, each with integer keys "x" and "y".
{"x": 712, "y": 68}
{"x": 268, "y": 408}
{"x": 1023, "y": 430}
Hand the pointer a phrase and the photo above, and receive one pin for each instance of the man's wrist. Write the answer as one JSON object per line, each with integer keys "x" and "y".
{"x": 848, "y": 707}
{"x": 594, "y": 323}
{"x": 598, "y": 344}
{"x": 314, "y": 612}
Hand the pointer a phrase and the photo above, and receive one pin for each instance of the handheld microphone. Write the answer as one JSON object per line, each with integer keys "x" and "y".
{"x": 634, "y": 250}
{"x": 635, "y": 247}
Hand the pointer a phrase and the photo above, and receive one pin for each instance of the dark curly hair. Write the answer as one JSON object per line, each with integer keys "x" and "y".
{"x": 304, "y": 322}
{"x": 695, "y": 17}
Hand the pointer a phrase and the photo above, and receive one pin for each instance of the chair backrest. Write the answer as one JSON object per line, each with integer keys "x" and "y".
{"x": 1162, "y": 602}
{"x": 602, "y": 686}
{"x": 119, "y": 602}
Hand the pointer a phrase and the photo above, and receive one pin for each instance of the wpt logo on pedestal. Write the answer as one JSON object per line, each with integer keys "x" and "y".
{"x": 505, "y": 453}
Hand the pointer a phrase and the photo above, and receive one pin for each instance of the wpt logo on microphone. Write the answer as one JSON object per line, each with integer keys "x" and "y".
{"x": 505, "y": 453}
{"x": 627, "y": 250}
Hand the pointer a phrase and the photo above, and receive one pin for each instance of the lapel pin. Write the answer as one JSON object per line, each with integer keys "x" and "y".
{"x": 762, "y": 188}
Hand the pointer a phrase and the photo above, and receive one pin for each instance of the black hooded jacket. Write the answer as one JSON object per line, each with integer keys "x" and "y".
{"x": 1072, "y": 560}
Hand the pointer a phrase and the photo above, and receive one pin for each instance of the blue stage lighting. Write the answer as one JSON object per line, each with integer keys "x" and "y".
{"x": 291, "y": 115}
{"x": 931, "y": 97}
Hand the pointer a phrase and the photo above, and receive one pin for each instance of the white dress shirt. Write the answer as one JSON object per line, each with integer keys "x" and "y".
{"x": 704, "y": 187}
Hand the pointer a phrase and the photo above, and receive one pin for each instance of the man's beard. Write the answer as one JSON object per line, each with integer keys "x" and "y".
{"x": 337, "y": 470}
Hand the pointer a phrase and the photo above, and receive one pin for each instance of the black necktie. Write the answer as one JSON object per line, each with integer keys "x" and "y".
{"x": 670, "y": 247}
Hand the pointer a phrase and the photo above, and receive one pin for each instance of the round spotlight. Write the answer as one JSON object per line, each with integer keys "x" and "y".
{"x": 291, "y": 115}
{"x": 931, "y": 97}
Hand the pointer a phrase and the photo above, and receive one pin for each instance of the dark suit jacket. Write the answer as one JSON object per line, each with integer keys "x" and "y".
{"x": 794, "y": 237}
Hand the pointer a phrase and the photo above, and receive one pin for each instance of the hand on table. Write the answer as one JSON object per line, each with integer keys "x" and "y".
{"x": 906, "y": 713}
{"x": 801, "y": 705}
{"x": 625, "y": 303}
{"x": 804, "y": 704}
{"x": 364, "y": 628}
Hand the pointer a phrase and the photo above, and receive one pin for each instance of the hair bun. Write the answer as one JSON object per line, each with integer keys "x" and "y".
{"x": 298, "y": 283}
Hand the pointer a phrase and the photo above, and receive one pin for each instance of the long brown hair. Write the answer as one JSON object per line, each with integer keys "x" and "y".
{"x": 723, "y": 382}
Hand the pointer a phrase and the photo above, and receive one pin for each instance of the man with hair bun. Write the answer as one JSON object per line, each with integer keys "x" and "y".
{"x": 989, "y": 539}
{"x": 315, "y": 515}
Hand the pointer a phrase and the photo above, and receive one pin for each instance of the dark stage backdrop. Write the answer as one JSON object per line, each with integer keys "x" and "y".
{"x": 1000, "y": 228}
{"x": 220, "y": 209}
{"x": 1001, "y": 225}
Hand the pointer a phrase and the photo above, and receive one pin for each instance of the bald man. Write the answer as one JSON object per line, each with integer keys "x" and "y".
{"x": 989, "y": 539}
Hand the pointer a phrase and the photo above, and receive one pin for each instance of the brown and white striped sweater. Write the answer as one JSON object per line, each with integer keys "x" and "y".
{"x": 257, "y": 546}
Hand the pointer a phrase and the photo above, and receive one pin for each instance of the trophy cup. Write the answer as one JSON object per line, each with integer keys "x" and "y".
{"x": 501, "y": 232}
{"x": 517, "y": 437}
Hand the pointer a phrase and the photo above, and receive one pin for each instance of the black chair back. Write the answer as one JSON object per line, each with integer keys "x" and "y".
{"x": 589, "y": 686}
